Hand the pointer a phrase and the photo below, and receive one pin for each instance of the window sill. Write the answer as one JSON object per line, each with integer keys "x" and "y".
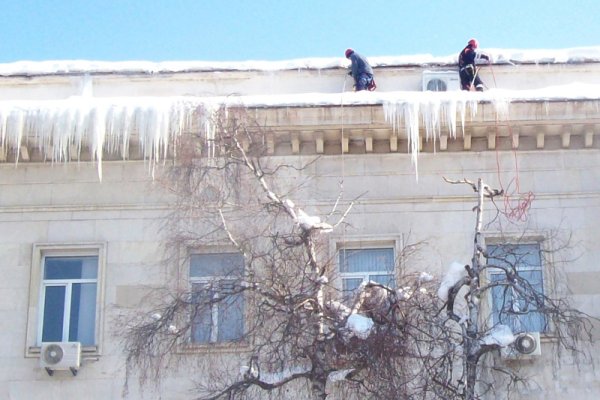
{"x": 226, "y": 347}
{"x": 548, "y": 337}
{"x": 86, "y": 352}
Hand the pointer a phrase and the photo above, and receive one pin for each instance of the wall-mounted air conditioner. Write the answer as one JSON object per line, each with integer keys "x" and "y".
{"x": 56, "y": 356}
{"x": 525, "y": 345}
{"x": 441, "y": 81}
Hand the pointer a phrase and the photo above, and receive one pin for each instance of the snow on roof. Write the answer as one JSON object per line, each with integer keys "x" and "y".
{"x": 534, "y": 56}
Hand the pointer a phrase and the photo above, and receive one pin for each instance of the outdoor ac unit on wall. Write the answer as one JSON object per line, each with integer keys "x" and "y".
{"x": 526, "y": 345}
{"x": 56, "y": 356}
{"x": 441, "y": 81}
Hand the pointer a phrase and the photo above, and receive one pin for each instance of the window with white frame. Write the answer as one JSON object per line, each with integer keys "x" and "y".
{"x": 218, "y": 315}
{"x": 366, "y": 264}
{"x": 512, "y": 304}
{"x": 69, "y": 289}
{"x": 66, "y": 293}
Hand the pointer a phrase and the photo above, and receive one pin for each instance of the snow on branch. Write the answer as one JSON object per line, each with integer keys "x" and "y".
{"x": 500, "y": 335}
{"x": 455, "y": 273}
{"x": 359, "y": 325}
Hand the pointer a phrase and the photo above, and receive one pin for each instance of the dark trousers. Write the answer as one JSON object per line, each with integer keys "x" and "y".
{"x": 363, "y": 81}
{"x": 466, "y": 79}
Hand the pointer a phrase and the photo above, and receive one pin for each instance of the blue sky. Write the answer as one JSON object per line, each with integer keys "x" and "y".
{"x": 231, "y": 30}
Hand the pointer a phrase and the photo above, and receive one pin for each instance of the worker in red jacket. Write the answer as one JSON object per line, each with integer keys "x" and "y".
{"x": 466, "y": 66}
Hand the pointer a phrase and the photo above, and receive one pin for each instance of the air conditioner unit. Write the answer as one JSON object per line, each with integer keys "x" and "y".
{"x": 55, "y": 356}
{"x": 526, "y": 345}
{"x": 441, "y": 81}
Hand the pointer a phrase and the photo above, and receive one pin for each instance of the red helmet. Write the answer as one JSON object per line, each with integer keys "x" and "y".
{"x": 348, "y": 52}
{"x": 473, "y": 43}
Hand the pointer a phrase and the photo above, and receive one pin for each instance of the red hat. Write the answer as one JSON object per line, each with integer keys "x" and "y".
{"x": 473, "y": 43}
{"x": 348, "y": 52}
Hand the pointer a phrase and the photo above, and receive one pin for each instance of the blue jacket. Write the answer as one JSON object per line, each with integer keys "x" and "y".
{"x": 359, "y": 65}
{"x": 467, "y": 57}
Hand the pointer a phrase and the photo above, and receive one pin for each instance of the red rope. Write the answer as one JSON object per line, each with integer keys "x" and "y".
{"x": 516, "y": 204}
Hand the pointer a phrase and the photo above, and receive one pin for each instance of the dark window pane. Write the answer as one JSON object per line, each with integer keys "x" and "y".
{"x": 206, "y": 265}
{"x": 230, "y": 309}
{"x": 71, "y": 267}
{"x": 387, "y": 280}
{"x": 201, "y": 326}
{"x": 521, "y": 255}
{"x": 231, "y": 318}
{"x": 366, "y": 260}
{"x": 54, "y": 308}
{"x": 508, "y": 307}
{"x": 351, "y": 284}
{"x": 201, "y": 313}
{"x": 82, "y": 322}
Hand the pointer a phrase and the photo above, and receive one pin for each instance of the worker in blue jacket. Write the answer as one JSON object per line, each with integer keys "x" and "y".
{"x": 361, "y": 71}
{"x": 467, "y": 69}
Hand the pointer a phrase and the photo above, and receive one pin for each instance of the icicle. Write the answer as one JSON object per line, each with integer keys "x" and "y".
{"x": 411, "y": 123}
{"x": 87, "y": 87}
{"x": 15, "y": 124}
{"x": 449, "y": 109}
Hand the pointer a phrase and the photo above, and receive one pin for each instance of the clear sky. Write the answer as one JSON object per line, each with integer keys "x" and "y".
{"x": 236, "y": 30}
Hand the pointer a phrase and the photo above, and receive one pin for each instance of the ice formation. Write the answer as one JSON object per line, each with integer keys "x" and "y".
{"x": 61, "y": 128}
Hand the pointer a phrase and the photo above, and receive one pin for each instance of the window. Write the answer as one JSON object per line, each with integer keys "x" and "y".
{"x": 69, "y": 289}
{"x": 66, "y": 296}
{"x": 513, "y": 306}
{"x": 358, "y": 265}
{"x": 218, "y": 316}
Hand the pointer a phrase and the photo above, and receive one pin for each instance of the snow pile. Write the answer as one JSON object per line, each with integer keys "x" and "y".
{"x": 359, "y": 325}
{"x": 309, "y": 222}
{"x": 534, "y": 56}
{"x": 338, "y": 308}
{"x": 546, "y": 56}
{"x": 340, "y": 375}
{"x": 404, "y": 293}
{"x": 500, "y": 335}
{"x": 276, "y": 377}
{"x": 425, "y": 277}
{"x": 173, "y": 329}
{"x": 455, "y": 273}
{"x": 249, "y": 372}
{"x": 156, "y": 316}
{"x": 322, "y": 280}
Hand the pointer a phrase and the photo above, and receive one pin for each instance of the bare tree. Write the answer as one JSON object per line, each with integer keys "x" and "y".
{"x": 300, "y": 330}
{"x": 516, "y": 295}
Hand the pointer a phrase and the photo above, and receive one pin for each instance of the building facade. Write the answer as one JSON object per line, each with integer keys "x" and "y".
{"x": 82, "y": 207}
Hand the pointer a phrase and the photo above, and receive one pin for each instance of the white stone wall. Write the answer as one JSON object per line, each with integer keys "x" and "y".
{"x": 41, "y": 203}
